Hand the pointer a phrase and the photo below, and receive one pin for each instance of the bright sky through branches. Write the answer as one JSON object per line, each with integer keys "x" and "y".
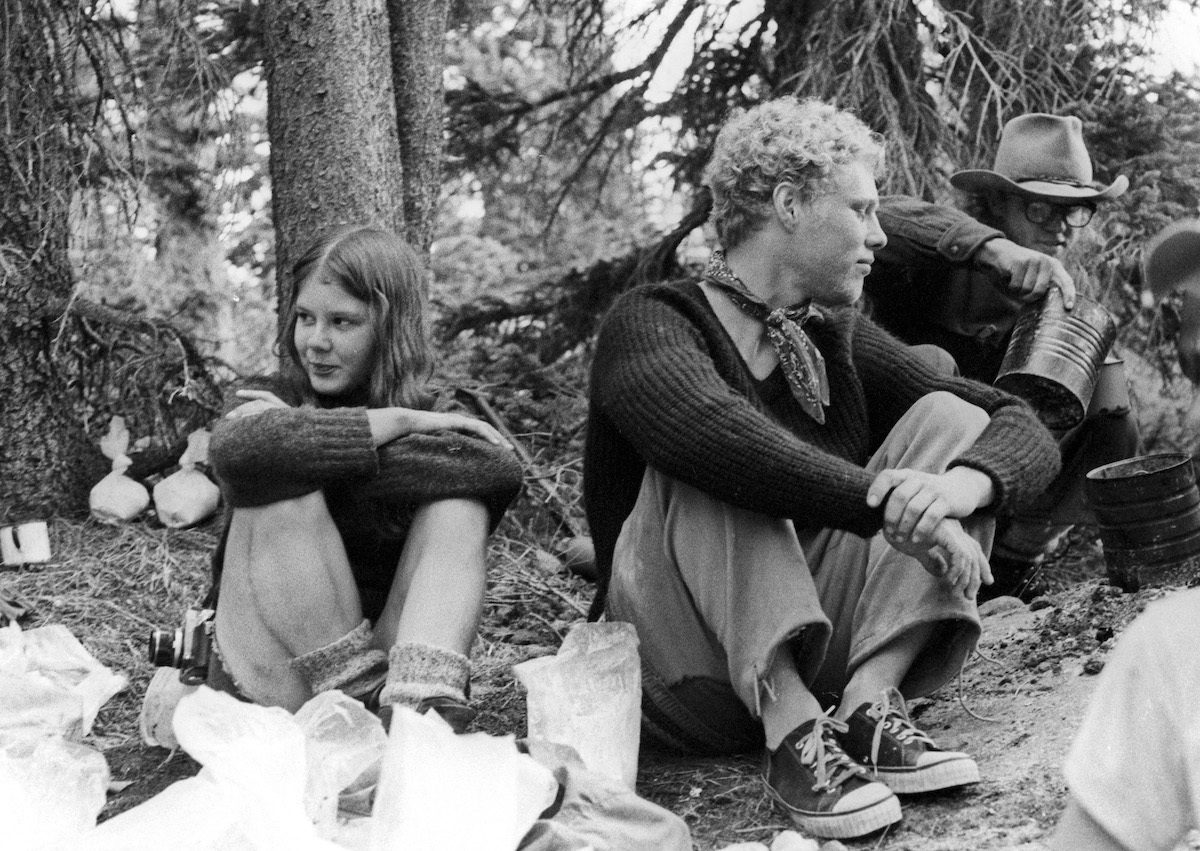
{"x": 1175, "y": 42}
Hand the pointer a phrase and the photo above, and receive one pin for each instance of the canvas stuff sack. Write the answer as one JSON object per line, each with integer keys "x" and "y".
{"x": 188, "y": 496}
{"x": 117, "y": 498}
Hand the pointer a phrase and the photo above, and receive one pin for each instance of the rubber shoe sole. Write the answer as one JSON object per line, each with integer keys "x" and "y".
{"x": 957, "y": 770}
{"x": 869, "y": 808}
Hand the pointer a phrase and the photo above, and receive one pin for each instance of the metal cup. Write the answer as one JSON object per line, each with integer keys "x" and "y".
{"x": 1054, "y": 357}
{"x": 1111, "y": 394}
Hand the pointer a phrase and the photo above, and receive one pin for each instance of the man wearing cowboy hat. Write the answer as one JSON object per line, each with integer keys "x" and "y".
{"x": 958, "y": 282}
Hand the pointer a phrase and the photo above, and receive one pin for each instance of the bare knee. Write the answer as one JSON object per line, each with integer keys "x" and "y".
{"x": 456, "y": 521}
{"x": 299, "y": 515}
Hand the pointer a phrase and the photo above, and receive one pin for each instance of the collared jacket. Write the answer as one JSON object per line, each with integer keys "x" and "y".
{"x": 924, "y": 288}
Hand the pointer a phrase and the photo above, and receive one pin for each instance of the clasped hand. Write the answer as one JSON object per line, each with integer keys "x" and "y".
{"x": 921, "y": 519}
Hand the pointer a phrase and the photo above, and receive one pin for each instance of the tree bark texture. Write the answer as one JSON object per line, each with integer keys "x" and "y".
{"x": 47, "y": 465}
{"x": 331, "y": 117}
{"x": 418, "y": 42}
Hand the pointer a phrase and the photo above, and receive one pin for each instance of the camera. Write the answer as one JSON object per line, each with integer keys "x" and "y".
{"x": 186, "y": 648}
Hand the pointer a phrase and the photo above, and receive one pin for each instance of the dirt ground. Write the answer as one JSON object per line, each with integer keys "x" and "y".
{"x": 1019, "y": 704}
{"x": 1016, "y": 708}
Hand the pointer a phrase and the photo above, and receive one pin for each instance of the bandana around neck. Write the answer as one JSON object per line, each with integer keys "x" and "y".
{"x": 802, "y": 363}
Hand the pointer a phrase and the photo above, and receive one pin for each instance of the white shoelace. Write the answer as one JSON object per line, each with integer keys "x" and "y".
{"x": 893, "y": 719}
{"x": 820, "y": 749}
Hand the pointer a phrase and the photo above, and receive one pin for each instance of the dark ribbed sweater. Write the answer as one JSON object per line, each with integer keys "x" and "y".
{"x": 669, "y": 389}
{"x": 371, "y": 491}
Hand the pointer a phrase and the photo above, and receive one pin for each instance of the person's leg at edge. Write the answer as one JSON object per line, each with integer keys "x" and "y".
{"x": 286, "y": 591}
{"x": 433, "y": 610}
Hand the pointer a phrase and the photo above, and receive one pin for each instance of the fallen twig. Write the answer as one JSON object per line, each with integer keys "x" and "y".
{"x": 557, "y": 506}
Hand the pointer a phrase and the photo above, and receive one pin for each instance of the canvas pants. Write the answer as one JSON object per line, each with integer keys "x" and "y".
{"x": 715, "y": 591}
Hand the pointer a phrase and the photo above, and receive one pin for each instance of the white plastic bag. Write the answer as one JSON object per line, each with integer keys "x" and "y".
{"x": 438, "y": 790}
{"x": 187, "y": 496}
{"x": 117, "y": 498}
{"x": 49, "y": 684}
{"x": 51, "y": 688}
{"x": 249, "y": 795}
{"x": 589, "y": 696}
{"x": 345, "y": 746}
{"x": 50, "y": 790}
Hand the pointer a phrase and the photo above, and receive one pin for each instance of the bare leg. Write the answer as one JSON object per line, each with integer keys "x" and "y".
{"x": 437, "y": 597}
{"x": 886, "y": 669}
{"x": 286, "y": 589}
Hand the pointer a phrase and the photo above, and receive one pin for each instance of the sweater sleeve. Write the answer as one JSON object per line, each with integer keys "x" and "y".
{"x": 1016, "y": 451}
{"x": 657, "y": 382}
{"x": 422, "y": 468}
{"x": 920, "y": 233}
{"x": 285, "y": 453}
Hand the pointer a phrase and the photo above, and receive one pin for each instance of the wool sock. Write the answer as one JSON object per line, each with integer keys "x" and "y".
{"x": 349, "y": 664}
{"x": 419, "y": 671}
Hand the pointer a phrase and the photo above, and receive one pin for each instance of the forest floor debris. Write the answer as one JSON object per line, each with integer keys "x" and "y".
{"x": 1016, "y": 709}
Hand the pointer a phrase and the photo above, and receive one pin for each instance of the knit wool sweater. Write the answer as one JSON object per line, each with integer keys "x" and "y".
{"x": 669, "y": 389}
{"x": 371, "y": 492}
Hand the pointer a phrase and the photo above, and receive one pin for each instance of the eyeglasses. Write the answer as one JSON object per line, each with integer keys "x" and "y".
{"x": 1072, "y": 215}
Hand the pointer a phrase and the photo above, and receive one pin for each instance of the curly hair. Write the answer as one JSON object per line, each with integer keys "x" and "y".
{"x": 378, "y": 267}
{"x": 782, "y": 140}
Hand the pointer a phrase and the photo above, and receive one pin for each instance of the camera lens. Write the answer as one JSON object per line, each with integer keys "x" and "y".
{"x": 163, "y": 648}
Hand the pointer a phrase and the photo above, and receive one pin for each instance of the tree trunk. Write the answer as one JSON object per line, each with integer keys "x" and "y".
{"x": 46, "y": 463}
{"x": 331, "y": 118}
{"x": 418, "y": 40}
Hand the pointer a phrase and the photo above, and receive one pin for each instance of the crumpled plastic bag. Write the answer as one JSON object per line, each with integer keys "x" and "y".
{"x": 438, "y": 790}
{"x": 345, "y": 747}
{"x": 117, "y": 498}
{"x": 589, "y": 696}
{"x": 248, "y": 796}
{"x": 598, "y": 812}
{"x": 188, "y": 496}
{"x": 51, "y": 790}
{"x": 50, "y": 684}
{"x": 51, "y": 786}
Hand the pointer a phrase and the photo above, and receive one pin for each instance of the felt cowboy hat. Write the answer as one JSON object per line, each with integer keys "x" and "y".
{"x": 1041, "y": 155}
{"x": 1172, "y": 259}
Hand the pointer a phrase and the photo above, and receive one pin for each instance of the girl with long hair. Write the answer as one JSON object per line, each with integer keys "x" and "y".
{"x": 353, "y": 551}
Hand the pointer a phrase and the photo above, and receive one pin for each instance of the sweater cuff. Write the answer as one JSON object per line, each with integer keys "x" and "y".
{"x": 350, "y": 450}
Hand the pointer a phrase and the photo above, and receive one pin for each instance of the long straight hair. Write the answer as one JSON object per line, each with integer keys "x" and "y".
{"x": 377, "y": 267}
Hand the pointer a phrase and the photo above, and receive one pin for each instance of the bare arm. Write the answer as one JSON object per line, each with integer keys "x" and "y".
{"x": 388, "y": 424}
